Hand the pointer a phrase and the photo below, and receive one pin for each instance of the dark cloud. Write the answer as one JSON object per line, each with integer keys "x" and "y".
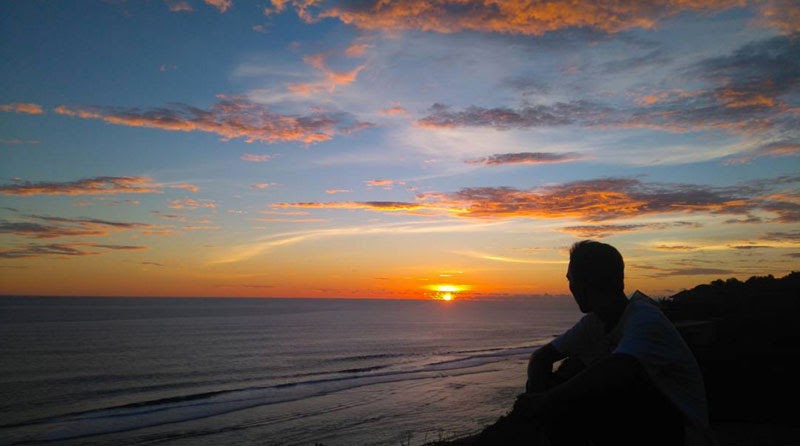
{"x": 601, "y": 231}
{"x": 770, "y": 66}
{"x": 655, "y": 57}
{"x": 525, "y": 85}
{"x": 696, "y": 272}
{"x": 789, "y": 236}
{"x": 752, "y": 90}
{"x": 86, "y": 186}
{"x": 44, "y": 227}
{"x": 64, "y": 250}
{"x": 526, "y": 158}
{"x": 231, "y": 118}
{"x": 502, "y": 118}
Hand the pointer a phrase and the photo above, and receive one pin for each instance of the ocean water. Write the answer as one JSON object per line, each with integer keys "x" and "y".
{"x": 127, "y": 371}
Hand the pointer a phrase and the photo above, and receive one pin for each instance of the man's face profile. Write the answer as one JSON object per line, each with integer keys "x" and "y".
{"x": 578, "y": 291}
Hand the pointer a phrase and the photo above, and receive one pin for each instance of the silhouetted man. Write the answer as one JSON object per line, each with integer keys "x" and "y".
{"x": 628, "y": 378}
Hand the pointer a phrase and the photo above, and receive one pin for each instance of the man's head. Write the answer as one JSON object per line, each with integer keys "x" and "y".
{"x": 596, "y": 272}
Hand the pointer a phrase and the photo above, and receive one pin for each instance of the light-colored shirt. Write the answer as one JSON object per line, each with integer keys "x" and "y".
{"x": 645, "y": 333}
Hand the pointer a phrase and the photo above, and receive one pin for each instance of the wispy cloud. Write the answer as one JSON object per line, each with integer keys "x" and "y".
{"x": 86, "y": 186}
{"x": 262, "y": 245}
{"x": 231, "y": 118}
{"x": 18, "y": 142}
{"x": 773, "y": 149}
{"x": 506, "y": 259}
{"x": 255, "y": 158}
{"x": 63, "y": 250}
{"x": 337, "y": 191}
{"x": 517, "y": 16}
{"x": 22, "y": 107}
{"x": 526, "y": 158}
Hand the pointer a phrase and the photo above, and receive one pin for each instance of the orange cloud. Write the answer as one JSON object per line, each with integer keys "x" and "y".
{"x": 394, "y": 111}
{"x": 337, "y": 191}
{"x": 21, "y": 107}
{"x": 508, "y": 16}
{"x": 222, "y": 5}
{"x": 592, "y": 200}
{"x": 331, "y": 79}
{"x": 189, "y": 187}
{"x": 188, "y": 203}
{"x": 263, "y": 185}
{"x": 385, "y": 183}
{"x": 356, "y": 50}
{"x": 735, "y": 99}
{"x": 781, "y": 14}
{"x": 230, "y": 118}
{"x": 87, "y": 186}
{"x": 179, "y": 6}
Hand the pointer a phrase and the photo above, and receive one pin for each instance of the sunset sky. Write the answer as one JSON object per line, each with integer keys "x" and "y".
{"x": 398, "y": 149}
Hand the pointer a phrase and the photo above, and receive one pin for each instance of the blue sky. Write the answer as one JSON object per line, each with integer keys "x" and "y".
{"x": 382, "y": 149}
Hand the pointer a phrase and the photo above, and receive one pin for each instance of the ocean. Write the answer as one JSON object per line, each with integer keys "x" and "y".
{"x": 199, "y": 371}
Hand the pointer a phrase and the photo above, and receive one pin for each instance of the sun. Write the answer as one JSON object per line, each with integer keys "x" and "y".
{"x": 447, "y": 296}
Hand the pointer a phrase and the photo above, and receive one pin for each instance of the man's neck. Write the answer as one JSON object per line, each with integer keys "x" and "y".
{"x": 611, "y": 313}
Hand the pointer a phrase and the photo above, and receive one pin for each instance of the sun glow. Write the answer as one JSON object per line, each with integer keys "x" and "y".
{"x": 446, "y": 292}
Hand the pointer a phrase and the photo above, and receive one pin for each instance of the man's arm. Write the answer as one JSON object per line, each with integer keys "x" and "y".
{"x": 616, "y": 370}
{"x": 540, "y": 368}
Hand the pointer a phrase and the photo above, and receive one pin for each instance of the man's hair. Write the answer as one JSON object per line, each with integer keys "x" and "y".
{"x": 597, "y": 265}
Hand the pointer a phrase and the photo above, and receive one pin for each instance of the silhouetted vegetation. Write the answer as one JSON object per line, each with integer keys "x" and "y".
{"x": 751, "y": 355}
{"x": 723, "y": 298}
